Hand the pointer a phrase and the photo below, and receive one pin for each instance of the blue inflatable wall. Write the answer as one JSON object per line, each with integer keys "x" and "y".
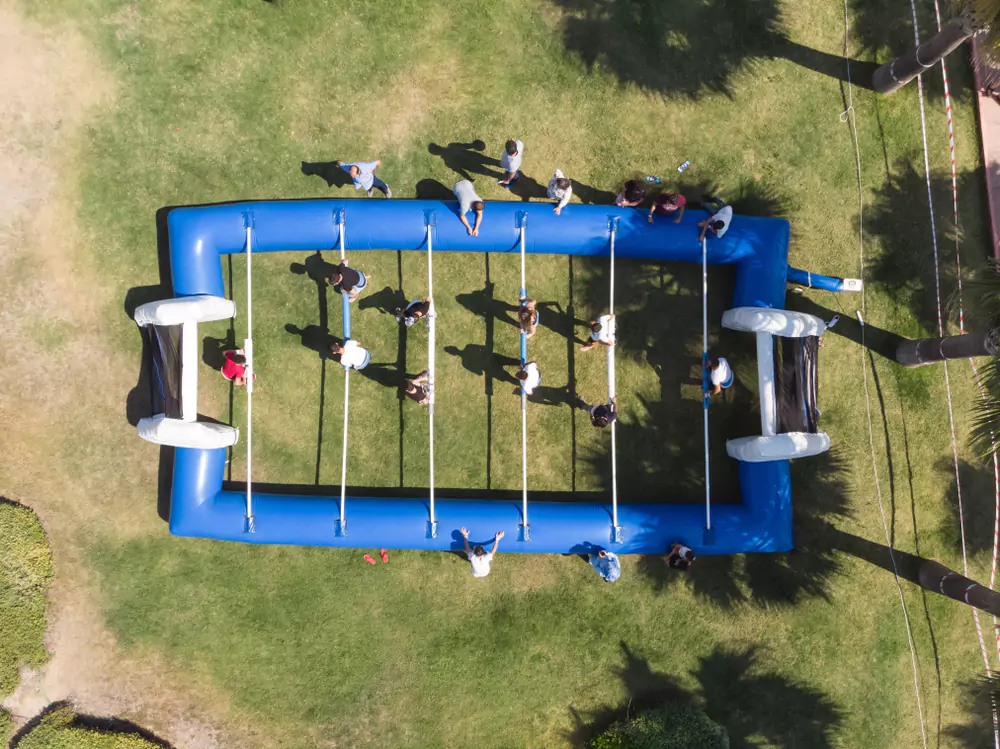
{"x": 201, "y": 507}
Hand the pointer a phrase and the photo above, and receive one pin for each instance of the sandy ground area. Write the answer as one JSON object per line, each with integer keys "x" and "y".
{"x": 52, "y": 83}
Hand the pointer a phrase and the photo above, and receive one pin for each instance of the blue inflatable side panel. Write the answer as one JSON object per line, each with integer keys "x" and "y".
{"x": 201, "y": 508}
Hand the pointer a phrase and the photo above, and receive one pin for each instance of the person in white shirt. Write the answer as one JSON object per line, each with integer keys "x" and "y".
{"x": 719, "y": 222}
{"x": 530, "y": 377}
{"x": 602, "y": 331}
{"x": 467, "y": 199}
{"x": 480, "y": 558}
{"x": 352, "y": 356}
{"x": 510, "y": 160}
{"x": 561, "y": 189}
{"x": 720, "y": 375}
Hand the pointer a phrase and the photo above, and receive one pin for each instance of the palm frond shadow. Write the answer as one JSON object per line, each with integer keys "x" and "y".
{"x": 979, "y": 695}
{"x": 820, "y": 496}
{"x": 905, "y": 266}
{"x": 651, "y": 44}
{"x": 734, "y": 689}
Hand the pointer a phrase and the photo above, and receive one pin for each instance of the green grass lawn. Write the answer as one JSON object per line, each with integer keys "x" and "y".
{"x": 25, "y": 574}
{"x": 312, "y": 647}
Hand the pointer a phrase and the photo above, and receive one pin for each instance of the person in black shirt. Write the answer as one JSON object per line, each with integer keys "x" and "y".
{"x": 603, "y": 414}
{"x": 413, "y": 312}
{"x": 351, "y": 281}
{"x": 418, "y": 389}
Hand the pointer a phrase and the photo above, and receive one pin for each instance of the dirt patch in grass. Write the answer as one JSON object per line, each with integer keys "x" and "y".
{"x": 50, "y": 357}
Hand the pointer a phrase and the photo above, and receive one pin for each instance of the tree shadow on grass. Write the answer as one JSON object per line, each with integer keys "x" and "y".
{"x": 899, "y": 218}
{"x": 659, "y": 309}
{"x": 978, "y": 509}
{"x": 977, "y": 731}
{"x": 819, "y": 497}
{"x": 61, "y": 713}
{"x": 689, "y": 48}
{"x": 735, "y": 691}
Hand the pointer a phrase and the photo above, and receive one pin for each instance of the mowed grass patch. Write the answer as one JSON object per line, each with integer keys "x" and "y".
{"x": 298, "y": 404}
{"x": 25, "y": 574}
{"x": 224, "y": 101}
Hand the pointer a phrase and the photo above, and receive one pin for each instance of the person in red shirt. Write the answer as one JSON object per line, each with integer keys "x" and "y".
{"x": 668, "y": 204}
{"x": 234, "y": 369}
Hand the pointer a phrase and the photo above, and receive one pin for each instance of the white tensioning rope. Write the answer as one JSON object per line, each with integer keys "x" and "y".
{"x": 248, "y": 378}
{"x": 940, "y": 321}
{"x": 975, "y": 375}
{"x": 431, "y": 344}
{"x": 615, "y": 528}
{"x": 849, "y": 115}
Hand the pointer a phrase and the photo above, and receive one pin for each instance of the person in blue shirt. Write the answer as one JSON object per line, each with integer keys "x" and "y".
{"x": 607, "y": 565}
{"x": 363, "y": 175}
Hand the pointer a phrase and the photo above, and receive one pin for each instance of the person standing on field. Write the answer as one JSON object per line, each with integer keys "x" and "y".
{"x": 363, "y": 175}
{"x": 510, "y": 160}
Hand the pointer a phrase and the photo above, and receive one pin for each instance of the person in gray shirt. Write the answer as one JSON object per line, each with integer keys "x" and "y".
{"x": 510, "y": 161}
{"x": 467, "y": 199}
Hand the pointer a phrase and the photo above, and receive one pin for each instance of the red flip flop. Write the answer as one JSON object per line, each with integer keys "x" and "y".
{"x": 368, "y": 558}
{"x": 384, "y": 554}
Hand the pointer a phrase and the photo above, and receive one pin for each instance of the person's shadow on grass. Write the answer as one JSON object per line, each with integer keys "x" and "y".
{"x": 386, "y": 301}
{"x": 592, "y": 195}
{"x": 468, "y": 159}
{"x": 545, "y": 395}
{"x": 558, "y": 320}
{"x": 328, "y": 171}
{"x": 477, "y": 359}
{"x": 315, "y": 267}
{"x": 213, "y": 350}
{"x": 431, "y": 189}
{"x": 386, "y": 375}
{"x": 314, "y": 338}
{"x": 527, "y": 188}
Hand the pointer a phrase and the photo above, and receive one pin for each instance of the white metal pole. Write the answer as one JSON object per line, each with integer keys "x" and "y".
{"x": 611, "y": 394}
{"x": 248, "y": 375}
{"x": 431, "y": 360}
{"x": 524, "y": 408}
{"x": 524, "y": 288}
{"x": 343, "y": 458}
{"x": 347, "y": 401}
{"x": 704, "y": 340}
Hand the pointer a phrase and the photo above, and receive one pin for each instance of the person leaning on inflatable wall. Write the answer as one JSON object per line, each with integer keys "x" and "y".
{"x": 478, "y": 557}
{"x": 468, "y": 200}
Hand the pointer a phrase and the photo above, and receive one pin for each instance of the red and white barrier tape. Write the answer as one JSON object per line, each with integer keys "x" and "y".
{"x": 961, "y": 325}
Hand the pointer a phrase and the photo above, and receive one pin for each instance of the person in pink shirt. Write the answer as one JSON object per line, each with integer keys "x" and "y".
{"x": 668, "y": 204}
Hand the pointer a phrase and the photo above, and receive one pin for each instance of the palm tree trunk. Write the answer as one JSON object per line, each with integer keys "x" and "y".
{"x": 931, "y": 350}
{"x": 902, "y": 70}
{"x": 936, "y": 577}
{"x": 927, "y": 573}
